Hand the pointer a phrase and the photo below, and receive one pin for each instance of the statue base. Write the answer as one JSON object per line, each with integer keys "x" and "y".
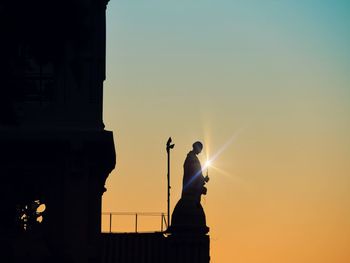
{"x": 188, "y": 218}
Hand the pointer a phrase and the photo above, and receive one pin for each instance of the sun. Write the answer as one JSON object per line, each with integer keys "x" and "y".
{"x": 207, "y": 163}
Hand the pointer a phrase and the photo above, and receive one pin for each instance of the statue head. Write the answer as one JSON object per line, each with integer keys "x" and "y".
{"x": 197, "y": 147}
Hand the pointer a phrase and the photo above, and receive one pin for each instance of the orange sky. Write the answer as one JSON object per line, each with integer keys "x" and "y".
{"x": 276, "y": 77}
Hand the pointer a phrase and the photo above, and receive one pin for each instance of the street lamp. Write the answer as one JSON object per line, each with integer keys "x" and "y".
{"x": 169, "y": 146}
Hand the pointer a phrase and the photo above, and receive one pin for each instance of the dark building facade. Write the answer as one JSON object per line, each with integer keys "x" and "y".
{"x": 54, "y": 151}
{"x": 55, "y": 155}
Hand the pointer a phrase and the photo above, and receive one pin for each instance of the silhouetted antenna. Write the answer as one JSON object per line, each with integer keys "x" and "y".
{"x": 168, "y": 147}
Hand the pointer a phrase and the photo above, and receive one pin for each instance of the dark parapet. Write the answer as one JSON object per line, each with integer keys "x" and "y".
{"x": 154, "y": 248}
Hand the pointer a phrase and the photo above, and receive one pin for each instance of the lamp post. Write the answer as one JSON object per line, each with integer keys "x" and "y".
{"x": 168, "y": 147}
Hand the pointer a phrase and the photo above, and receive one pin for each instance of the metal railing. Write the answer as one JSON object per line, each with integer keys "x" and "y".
{"x": 112, "y": 217}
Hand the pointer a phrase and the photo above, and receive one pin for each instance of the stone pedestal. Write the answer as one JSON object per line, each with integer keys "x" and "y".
{"x": 188, "y": 217}
{"x": 188, "y": 237}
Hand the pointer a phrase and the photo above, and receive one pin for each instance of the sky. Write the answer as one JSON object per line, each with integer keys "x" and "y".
{"x": 265, "y": 85}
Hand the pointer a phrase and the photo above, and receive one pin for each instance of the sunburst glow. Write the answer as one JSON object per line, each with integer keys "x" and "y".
{"x": 207, "y": 164}
{"x": 210, "y": 161}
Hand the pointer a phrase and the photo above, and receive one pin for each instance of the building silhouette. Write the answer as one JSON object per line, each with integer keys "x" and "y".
{"x": 55, "y": 154}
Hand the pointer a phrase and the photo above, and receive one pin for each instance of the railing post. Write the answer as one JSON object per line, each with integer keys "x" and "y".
{"x": 136, "y": 222}
{"x": 110, "y": 223}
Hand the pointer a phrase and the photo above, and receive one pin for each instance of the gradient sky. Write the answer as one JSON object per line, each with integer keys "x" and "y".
{"x": 270, "y": 80}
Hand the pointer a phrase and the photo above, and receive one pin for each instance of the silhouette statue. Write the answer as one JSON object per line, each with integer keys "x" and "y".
{"x": 193, "y": 180}
{"x": 188, "y": 217}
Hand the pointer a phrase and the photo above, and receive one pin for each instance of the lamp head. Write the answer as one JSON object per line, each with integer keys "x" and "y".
{"x": 169, "y": 145}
